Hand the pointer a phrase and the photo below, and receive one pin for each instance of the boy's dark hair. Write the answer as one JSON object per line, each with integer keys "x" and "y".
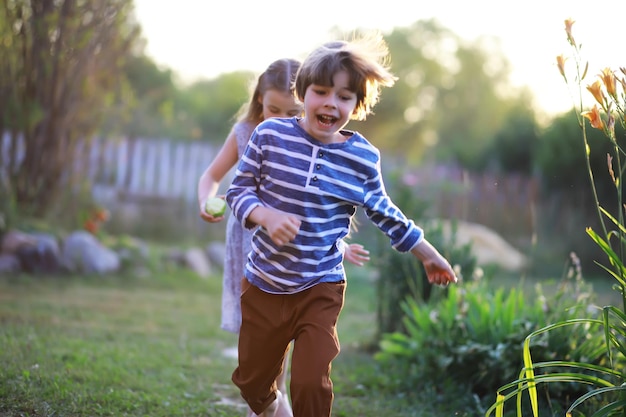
{"x": 365, "y": 59}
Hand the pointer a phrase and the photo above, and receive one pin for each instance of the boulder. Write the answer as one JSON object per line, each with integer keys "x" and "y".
{"x": 216, "y": 251}
{"x": 83, "y": 252}
{"x": 488, "y": 246}
{"x": 9, "y": 264}
{"x": 34, "y": 252}
{"x": 197, "y": 260}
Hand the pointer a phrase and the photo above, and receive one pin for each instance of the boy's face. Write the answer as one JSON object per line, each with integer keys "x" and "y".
{"x": 328, "y": 109}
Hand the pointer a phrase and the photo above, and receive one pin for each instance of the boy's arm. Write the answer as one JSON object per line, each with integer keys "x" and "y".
{"x": 438, "y": 269}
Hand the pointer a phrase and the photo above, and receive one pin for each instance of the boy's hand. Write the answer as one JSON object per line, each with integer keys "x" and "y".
{"x": 438, "y": 269}
{"x": 281, "y": 227}
{"x": 439, "y": 273}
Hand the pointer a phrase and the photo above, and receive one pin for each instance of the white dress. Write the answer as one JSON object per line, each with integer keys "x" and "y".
{"x": 237, "y": 248}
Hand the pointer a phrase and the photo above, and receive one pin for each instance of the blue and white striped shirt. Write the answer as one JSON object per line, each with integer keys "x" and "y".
{"x": 322, "y": 185}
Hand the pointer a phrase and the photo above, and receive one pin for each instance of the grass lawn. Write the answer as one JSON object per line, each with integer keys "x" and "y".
{"x": 113, "y": 346}
{"x": 152, "y": 346}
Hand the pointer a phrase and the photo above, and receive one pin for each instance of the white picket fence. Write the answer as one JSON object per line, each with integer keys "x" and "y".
{"x": 139, "y": 167}
{"x": 149, "y": 167}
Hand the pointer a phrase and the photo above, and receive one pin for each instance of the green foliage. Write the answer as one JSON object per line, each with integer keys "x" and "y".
{"x": 513, "y": 147}
{"x": 61, "y": 62}
{"x": 203, "y": 110}
{"x": 211, "y": 106}
{"x": 403, "y": 276}
{"x": 476, "y": 335}
{"x": 143, "y": 105}
{"x": 601, "y": 369}
{"x": 561, "y": 154}
{"x": 134, "y": 254}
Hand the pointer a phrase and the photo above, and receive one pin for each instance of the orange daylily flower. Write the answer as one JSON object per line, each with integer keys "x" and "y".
{"x": 568, "y": 29}
{"x": 596, "y": 90}
{"x": 91, "y": 226}
{"x": 101, "y": 215}
{"x": 594, "y": 117}
{"x": 608, "y": 78}
{"x": 560, "y": 62}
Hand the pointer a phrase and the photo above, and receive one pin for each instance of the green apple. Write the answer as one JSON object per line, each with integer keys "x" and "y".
{"x": 215, "y": 206}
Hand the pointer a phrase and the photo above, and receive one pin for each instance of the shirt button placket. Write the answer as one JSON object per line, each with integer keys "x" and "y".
{"x": 318, "y": 166}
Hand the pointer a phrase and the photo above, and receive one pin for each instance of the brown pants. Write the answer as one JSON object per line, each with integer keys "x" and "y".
{"x": 269, "y": 323}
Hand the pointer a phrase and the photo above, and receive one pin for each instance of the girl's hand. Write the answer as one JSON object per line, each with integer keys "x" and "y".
{"x": 206, "y": 216}
{"x": 356, "y": 254}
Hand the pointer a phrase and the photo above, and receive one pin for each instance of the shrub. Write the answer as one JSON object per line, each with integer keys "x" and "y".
{"x": 476, "y": 335}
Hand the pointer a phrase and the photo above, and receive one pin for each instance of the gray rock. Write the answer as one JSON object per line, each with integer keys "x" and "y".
{"x": 13, "y": 240}
{"x": 9, "y": 264}
{"x": 82, "y": 252}
{"x": 197, "y": 260}
{"x": 43, "y": 256}
{"x": 216, "y": 251}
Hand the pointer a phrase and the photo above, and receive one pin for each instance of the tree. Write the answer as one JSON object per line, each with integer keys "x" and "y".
{"x": 514, "y": 145}
{"x": 451, "y": 97}
{"x": 211, "y": 105}
{"x": 61, "y": 63}
{"x": 559, "y": 159}
{"x": 144, "y": 101}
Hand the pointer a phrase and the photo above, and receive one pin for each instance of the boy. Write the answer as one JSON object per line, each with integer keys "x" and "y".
{"x": 301, "y": 180}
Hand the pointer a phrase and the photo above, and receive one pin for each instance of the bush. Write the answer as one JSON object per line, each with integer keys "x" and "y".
{"x": 476, "y": 335}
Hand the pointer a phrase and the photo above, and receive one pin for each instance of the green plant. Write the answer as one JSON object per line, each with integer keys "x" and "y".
{"x": 476, "y": 335}
{"x": 605, "y": 393}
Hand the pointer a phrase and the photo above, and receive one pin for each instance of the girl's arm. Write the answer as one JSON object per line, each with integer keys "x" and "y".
{"x": 210, "y": 179}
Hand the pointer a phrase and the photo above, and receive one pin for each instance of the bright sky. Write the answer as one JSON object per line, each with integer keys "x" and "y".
{"x": 204, "y": 38}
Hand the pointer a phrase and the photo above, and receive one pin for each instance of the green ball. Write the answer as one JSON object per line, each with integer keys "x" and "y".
{"x": 215, "y": 206}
